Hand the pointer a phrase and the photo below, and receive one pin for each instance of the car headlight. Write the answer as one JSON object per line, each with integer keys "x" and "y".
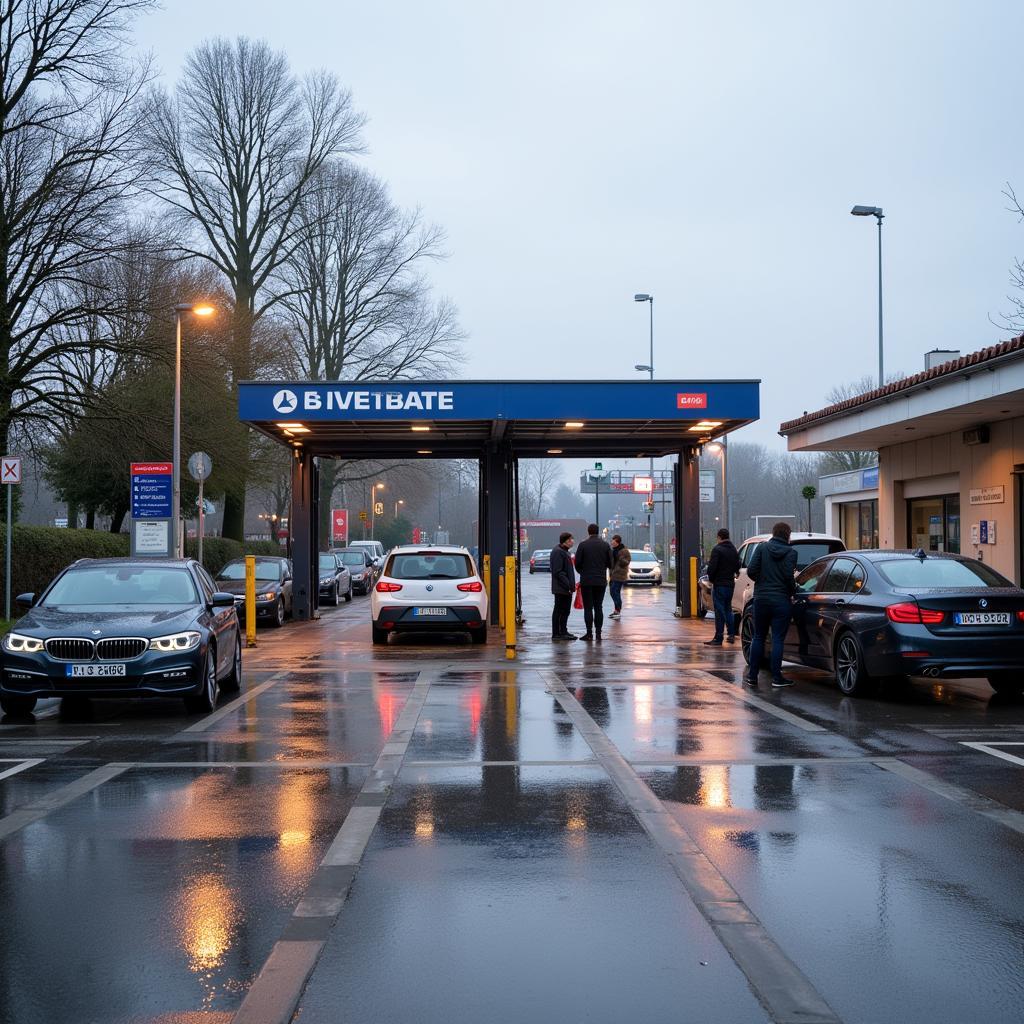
{"x": 326, "y": 581}
{"x": 187, "y": 641}
{"x": 268, "y": 596}
{"x": 22, "y": 644}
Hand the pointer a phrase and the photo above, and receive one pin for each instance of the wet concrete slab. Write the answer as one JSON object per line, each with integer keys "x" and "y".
{"x": 505, "y": 894}
{"x": 861, "y": 875}
{"x": 159, "y": 893}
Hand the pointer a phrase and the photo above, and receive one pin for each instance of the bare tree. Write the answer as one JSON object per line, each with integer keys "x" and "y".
{"x": 538, "y": 478}
{"x": 235, "y": 149}
{"x": 355, "y": 295}
{"x": 69, "y": 125}
{"x": 845, "y": 462}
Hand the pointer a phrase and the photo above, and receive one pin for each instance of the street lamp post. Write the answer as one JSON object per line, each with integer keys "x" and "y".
{"x": 197, "y": 309}
{"x": 876, "y": 212}
{"x": 373, "y": 508}
{"x": 401, "y": 501}
{"x": 649, "y": 367}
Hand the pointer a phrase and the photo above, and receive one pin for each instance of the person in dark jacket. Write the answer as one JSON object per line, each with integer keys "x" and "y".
{"x": 563, "y": 586}
{"x": 722, "y": 568}
{"x": 773, "y": 570}
{"x": 594, "y": 560}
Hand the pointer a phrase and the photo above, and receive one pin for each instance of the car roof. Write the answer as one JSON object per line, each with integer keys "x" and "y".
{"x": 903, "y": 554}
{"x": 174, "y": 563}
{"x": 429, "y": 549}
{"x": 795, "y": 535}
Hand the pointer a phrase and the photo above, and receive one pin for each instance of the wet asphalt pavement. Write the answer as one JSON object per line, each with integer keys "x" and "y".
{"x": 427, "y": 832}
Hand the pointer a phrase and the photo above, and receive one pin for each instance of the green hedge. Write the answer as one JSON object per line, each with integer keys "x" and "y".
{"x": 38, "y": 553}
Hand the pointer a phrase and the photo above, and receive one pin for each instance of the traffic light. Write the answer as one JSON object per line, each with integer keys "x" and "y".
{"x": 648, "y": 506}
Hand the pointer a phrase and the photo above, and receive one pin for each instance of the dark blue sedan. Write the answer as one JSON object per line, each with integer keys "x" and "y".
{"x": 867, "y": 615}
{"x": 123, "y": 628}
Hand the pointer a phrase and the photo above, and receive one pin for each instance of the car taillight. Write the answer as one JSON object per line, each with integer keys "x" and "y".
{"x": 471, "y": 588}
{"x": 1020, "y": 615}
{"x": 911, "y": 613}
{"x": 383, "y": 587}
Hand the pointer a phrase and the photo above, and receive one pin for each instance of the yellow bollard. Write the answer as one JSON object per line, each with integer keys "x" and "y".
{"x": 693, "y": 588}
{"x": 510, "y": 607}
{"x": 501, "y": 598}
{"x": 250, "y": 600}
{"x": 487, "y": 576}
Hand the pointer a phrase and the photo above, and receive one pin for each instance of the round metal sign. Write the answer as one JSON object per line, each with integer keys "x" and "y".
{"x": 199, "y": 466}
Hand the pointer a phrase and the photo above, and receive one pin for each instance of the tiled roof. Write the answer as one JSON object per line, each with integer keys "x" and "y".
{"x": 954, "y": 366}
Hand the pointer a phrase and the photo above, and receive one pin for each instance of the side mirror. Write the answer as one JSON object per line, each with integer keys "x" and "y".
{"x": 25, "y": 601}
{"x": 223, "y": 600}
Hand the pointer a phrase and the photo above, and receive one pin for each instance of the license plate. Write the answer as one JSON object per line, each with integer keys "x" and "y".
{"x": 427, "y": 612}
{"x": 982, "y": 618}
{"x": 94, "y": 671}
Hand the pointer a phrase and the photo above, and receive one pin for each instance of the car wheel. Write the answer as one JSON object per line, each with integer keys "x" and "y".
{"x": 348, "y": 593}
{"x": 1001, "y": 682}
{"x": 205, "y": 701}
{"x": 336, "y": 597}
{"x": 746, "y": 635}
{"x": 380, "y": 636}
{"x": 233, "y": 683}
{"x": 851, "y": 675}
{"x": 479, "y": 635}
{"x": 17, "y": 704}
{"x": 278, "y": 620}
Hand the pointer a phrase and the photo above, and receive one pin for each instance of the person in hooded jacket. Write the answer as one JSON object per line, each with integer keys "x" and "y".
{"x": 773, "y": 570}
{"x": 722, "y": 568}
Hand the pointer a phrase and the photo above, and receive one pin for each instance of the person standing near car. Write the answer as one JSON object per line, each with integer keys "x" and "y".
{"x": 773, "y": 570}
{"x": 620, "y": 573}
{"x": 723, "y": 566}
{"x": 563, "y": 587}
{"x": 594, "y": 561}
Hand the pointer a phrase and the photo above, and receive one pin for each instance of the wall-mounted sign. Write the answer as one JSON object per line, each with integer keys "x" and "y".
{"x": 643, "y": 485}
{"x": 988, "y": 495}
{"x": 707, "y": 495}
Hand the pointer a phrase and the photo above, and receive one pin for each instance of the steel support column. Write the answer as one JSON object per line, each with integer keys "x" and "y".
{"x": 687, "y": 527}
{"x": 497, "y": 543}
{"x": 304, "y": 529}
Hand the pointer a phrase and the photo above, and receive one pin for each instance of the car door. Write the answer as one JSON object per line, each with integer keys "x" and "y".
{"x": 221, "y": 621}
{"x": 802, "y": 643}
{"x": 744, "y": 588}
{"x": 831, "y": 604}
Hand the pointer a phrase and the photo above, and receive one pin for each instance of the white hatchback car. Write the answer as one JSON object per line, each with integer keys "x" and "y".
{"x": 437, "y": 589}
{"x": 809, "y": 546}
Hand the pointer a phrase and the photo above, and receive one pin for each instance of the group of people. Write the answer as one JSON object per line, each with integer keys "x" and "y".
{"x": 596, "y": 562}
{"x": 773, "y": 571}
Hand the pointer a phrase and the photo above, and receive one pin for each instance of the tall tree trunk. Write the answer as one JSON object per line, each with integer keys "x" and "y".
{"x": 117, "y": 517}
{"x": 238, "y": 443}
{"x": 90, "y": 519}
{"x": 72, "y": 515}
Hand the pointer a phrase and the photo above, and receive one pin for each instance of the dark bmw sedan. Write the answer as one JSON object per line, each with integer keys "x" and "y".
{"x": 867, "y": 615}
{"x": 123, "y": 628}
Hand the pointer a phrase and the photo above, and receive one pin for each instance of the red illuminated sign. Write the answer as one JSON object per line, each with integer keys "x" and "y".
{"x": 692, "y": 400}
{"x": 339, "y": 525}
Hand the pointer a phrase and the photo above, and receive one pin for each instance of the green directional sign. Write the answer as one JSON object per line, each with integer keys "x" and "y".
{"x": 598, "y": 465}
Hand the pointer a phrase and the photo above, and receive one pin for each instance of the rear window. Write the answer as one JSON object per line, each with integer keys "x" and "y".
{"x": 541, "y": 554}
{"x": 429, "y": 565}
{"x": 353, "y": 558}
{"x": 808, "y": 550}
{"x": 939, "y": 572}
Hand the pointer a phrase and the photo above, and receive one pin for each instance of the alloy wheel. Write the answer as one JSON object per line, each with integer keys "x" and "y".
{"x": 211, "y": 678}
{"x": 847, "y": 664}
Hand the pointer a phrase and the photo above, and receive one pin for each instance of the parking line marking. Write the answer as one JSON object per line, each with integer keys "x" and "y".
{"x": 985, "y": 748}
{"x": 783, "y": 989}
{"x": 972, "y": 801}
{"x": 19, "y": 765}
{"x": 274, "y": 996}
{"x": 222, "y": 712}
{"x": 44, "y": 805}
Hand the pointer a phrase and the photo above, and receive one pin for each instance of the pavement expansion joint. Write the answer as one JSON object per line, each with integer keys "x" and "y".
{"x": 782, "y": 988}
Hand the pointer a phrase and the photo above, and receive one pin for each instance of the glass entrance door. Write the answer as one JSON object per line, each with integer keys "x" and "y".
{"x": 934, "y": 523}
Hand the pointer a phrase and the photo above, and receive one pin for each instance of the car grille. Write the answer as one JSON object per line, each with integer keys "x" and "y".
{"x": 70, "y": 649}
{"x": 121, "y": 648}
{"x": 79, "y": 649}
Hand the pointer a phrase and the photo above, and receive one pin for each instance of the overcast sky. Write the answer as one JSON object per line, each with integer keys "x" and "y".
{"x": 708, "y": 153}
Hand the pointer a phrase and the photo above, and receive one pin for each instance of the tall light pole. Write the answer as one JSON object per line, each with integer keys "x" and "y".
{"x": 649, "y": 367}
{"x": 401, "y": 501}
{"x": 722, "y": 447}
{"x": 876, "y": 212}
{"x": 373, "y": 508}
{"x": 197, "y": 309}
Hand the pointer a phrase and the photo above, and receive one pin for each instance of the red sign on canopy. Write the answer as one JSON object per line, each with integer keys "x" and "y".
{"x": 339, "y": 526}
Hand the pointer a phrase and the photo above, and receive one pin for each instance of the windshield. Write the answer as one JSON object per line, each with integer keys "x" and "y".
{"x": 808, "y": 551}
{"x": 353, "y": 558}
{"x": 327, "y": 562}
{"x": 266, "y": 572}
{"x": 430, "y": 566}
{"x": 123, "y": 584}
{"x": 643, "y": 556}
{"x": 940, "y": 572}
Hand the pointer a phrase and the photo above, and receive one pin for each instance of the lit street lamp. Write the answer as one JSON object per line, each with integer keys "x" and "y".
{"x": 648, "y": 368}
{"x": 197, "y": 309}
{"x": 401, "y": 501}
{"x": 373, "y": 508}
{"x": 723, "y": 448}
{"x": 876, "y": 212}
